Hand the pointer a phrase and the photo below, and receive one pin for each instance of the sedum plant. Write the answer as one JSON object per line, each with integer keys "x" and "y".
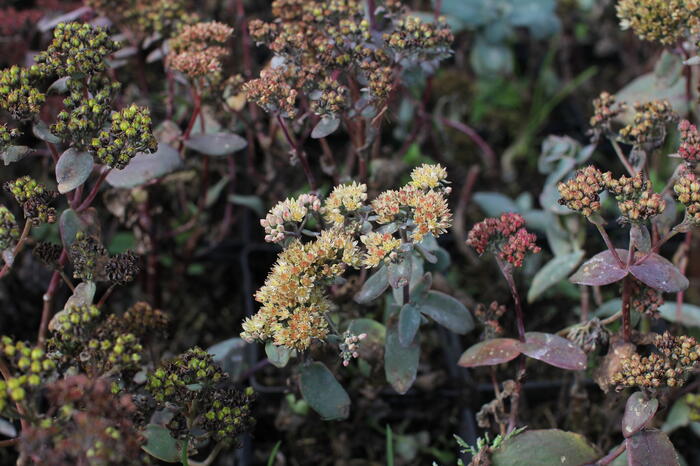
{"x": 393, "y": 235}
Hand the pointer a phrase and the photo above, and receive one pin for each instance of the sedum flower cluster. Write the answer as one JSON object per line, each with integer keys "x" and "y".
{"x": 323, "y": 46}
{"x": 28, "y": 368}
{"x": 198, "y": 50}
{"x": 663, "y": 21}
{"x": 676, "y": 358}
{"x": 505, "y": 237}
{"x": 34, "y": 198}
{"x": 649, "y": 122}
{"x": 634, "y": 195}
{"x": 91, "y": 261}
{"x": 146, "y": 18}
{"x": 353, "y": 234}
{"x": 77, "y": 58}
{"x": 9, "y": 232}
{"x": 687, "y": 189}
{"x": 689, "y": 149}
{"x": 197, "y": 385}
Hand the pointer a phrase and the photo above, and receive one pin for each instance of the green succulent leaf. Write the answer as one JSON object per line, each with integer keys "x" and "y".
{"x": 323, "y": 392}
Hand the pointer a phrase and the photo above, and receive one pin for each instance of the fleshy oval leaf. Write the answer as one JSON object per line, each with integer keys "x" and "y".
{"x": 323, "y": 392}
{"x": 447, "y": 311}
{"x": 601, "y": 269}
{"x": 659, "y": 273}
{"x": 160, "y": 444}
{"x": 373, "y": 287}
{"x": 73, "y": 169}
{"x": 325, "y": 127}
{"x": 217, "y": 144}
{"x": 551, "y": 447}
{"x": 491, "y": 352}
{"x": 409, "y": 322}
{"x": 638, "y": 412}
{"x": 651, "y": 448}
{"x": 554, "y": 350}
{"x": 400, "y": 362}
{"x": 277, "y": 355}
{"x": 146, "y": 167}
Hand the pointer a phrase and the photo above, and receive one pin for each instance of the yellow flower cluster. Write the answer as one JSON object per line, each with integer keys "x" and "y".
{"x": 345, "y": 199}
{"x": 428, "y": 176}
{"x": 293, "y": 297}
{"x": 649, "y": 123}
{"x": 664, "y": 21}
{"x": 381, "y": 247}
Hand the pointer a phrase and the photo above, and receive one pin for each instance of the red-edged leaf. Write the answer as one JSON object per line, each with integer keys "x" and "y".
{"x": 554, "y": 350}
{"x": 660, "y": 274}
{"x": 638, "y": 412}
{"x": 491, "y": 352}
{"x": 651, "y": 448}
{"x": 601, "y": 269}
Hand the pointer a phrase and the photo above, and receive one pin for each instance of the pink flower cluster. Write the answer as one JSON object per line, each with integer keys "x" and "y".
{"x": 505, "y": 236}
{"x": 689, "y": 149}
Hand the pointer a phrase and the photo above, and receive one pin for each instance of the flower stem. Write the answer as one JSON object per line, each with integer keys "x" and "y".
{"x": 18, "y": 248}
{"x": 609, "y": 244}
{"x": 621, "y": 155}
{"x": 626, "y": 297}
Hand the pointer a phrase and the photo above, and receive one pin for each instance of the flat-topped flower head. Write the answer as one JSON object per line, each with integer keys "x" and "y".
{"x": 429, "y": 176}
{"x": 606, "y": 109}
{"x": 130, "y": 133}
{"x": 504, "y": 237}
{"x": 289, "y": 211}
{"x": 687, "y": 189}
{"x": 386, "y": 206}
{"x": 648, "y": 125}
{"x": 431, "y": 214}
{"x": 689, "y": 149}
{"x": 9, "y": 231}
{"x": 643, "y": 207}
{"x": 582, "y": 192}
{"x": 77, "y": 49}
{"x": 34, "y": 198}
{"x": 380, "y": 248}
{"x": 663, "y": 21}
{"x": 18, "y": 96}
{"x": 199, "y": 49}
{"x": 345, "y": 200}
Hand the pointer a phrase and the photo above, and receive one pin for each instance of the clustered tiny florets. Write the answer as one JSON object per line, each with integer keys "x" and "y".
{"x": 289, "y": 211}
{"x": 606, "y": 110}
{"x": 663, "y": 21}
{"x": 294, "y": 302}
{"x": 648, "y": 125}
{"x": 689, "y": 149}
{"x": 18, "y": 95}
{"x": 34, "y": 198}
{"x": 76, "y": 49}
{"x": 669, "y": 367}
{"x": 130, "y": 133}
{"x": 505, "y": 237}
{"x": 349, "y": 347}
{"x": 9, "y": 231}
{"x": 198, "y": 50}
{"x": 582, "y": 192}
{"x": 687, "y": 189}
{"x": 29, "y": 366}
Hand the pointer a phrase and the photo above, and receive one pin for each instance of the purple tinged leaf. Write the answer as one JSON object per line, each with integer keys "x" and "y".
{"x": 601, "y": 269}
{"x": 651, "y": 448}
{"x": 491, "y": 352}
{"x": 638, "y": 412}
{"x": 660, "y": 274}
{"x": 554, "y": 350}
